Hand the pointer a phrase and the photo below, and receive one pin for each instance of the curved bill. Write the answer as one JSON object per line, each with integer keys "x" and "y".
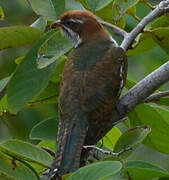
{"x": 56, "y": 24}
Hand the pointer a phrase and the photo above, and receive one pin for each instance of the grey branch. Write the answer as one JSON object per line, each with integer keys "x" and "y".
{"x": 116, "y": 29}
{"x": 162, "y": 8}
{"x": 142, "y": 90}
{"x": 156, "y": 96}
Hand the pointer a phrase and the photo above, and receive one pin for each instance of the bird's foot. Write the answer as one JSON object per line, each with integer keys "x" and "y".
{"x": 51, "y": 174}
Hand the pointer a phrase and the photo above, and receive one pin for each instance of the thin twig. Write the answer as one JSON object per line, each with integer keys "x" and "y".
{"x": 116, "y": 29}
{"x": 162, "y": 8}
{"x": 108, "y": 152}
{"x": 157, "y": 96}
{"x": 148, "y": 4}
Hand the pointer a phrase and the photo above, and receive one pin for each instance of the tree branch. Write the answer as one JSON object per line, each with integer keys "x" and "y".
{"x": 142, "y": 90}
{"x": 162, "y": 8}
{"x": 157, "y": 96}
{"x": 116, "y": 29}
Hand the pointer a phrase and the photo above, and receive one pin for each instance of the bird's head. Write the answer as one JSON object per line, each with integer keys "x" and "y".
{"x": 80, "y": 26}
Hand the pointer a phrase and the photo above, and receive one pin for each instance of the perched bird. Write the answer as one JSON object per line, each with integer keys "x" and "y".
{"x": 92, "y": 80}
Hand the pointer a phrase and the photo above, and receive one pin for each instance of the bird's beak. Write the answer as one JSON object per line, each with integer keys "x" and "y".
{"x": 56, "y": 24}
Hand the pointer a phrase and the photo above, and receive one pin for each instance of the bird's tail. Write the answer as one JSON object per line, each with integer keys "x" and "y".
{"x": 71, "y": 138}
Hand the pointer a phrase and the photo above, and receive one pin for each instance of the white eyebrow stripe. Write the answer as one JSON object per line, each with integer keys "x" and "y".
{"x": 77, "y": 21}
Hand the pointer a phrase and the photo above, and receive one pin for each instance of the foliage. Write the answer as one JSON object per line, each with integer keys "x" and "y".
{"x": 35, "y": 82}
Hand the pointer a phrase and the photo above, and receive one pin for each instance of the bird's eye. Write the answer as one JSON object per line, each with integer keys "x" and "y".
{"x": 71, "y": 23}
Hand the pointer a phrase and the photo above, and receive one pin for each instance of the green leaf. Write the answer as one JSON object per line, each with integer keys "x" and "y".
{"x": 48, "y": 96}
{"x": 97, "y": 4}
{"x": 40, "y": 23}
{"x": 2, "y": 15}
{"x": 143, "y": 44}
{"x": 19, "y": 59}
{"x": 156, "y": 118}
{"x": 97, "y": 171}
{"x": 131, "y": 138}
{"x": 3, "y": 83}
{"x": 144, "y": 170}
{"x": 18, "y": 36}
{"x": 129, "y": 84}
{"x": 123, "y": 6}
{"x": 57, "y": 75}
{"x": 49, "y": 144}
{"x": 106, "y": 16}
{"x": 44, "y": 8}
{"x": 162, "y": 21}
{"x": 45, "y": 130}
{"x": 3, "y": 105}
{"x": 74, "y": 4}
{"x": 83, "y": 2}
{"x": 132, "y": 11}
{"x": 26, "y": 152}
{"x": 28, "y": 81}
{"x": 52, "y": 49}
{"x": 161, "y": 36}
{"x": 118, "y": 19}
{"x": 11, "y": 169}
{"x": 163, "y": 101}
{"x": 59, "y": 6}
{"x": 49, "y": 9}
{"x": 111, "y": 138}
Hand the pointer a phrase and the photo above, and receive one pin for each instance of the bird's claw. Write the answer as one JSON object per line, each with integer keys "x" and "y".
{"x": 51, "y": 173}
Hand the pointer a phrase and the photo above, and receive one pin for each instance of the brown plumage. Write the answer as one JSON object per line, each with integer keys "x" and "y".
{"x": 92, "y": 80}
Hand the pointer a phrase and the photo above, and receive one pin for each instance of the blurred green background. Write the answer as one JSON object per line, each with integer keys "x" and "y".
{"x": 19, "y": 12}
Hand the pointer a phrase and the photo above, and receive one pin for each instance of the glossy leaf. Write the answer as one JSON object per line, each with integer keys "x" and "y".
{"x": 44, "y": 8}
{"x": 3, "y": 83}
{"x": 162, "y": 21}
{"x": 163, "y": 101}
{"x": 106, "y": 16}
{"x": 28, "y": 81}
{"x": 97, "y": 171}
{"x": 131, "y": 138}
{"x": 143, "y": 44}
{"x": 132, "y": 11}
{"x": 3, "y": 105}
{"x": 59, "y": 6}
{"x": 12, "y": 169}
{"x": 48, "y": 96}
{"x": 57, "y": 75}
{"x": 49, "y": 144}
{"x": 161, "y": 36}
{"x": 2, "y": 15}
{"x": 45, "y": 130}
{"x": 111, "y": 138}
{"x": 129, "y": 84}
{"x": 97, "y": 4}
{"x": 18, "y": 36}
{"x": 52, "y": 49}
{"x": 144, "y": 170}
{"x": 26, "y": 151}
{"x": 118, "y": 19}
{"x": 50, "y": 10}
{"x": 156, "y": 118}
{"x": 40, "y": 23}
{"x": 74, "y": 4}
{"x": 123, "y": 6}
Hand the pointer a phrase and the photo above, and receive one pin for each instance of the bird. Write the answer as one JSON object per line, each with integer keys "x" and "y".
{"x": 92, "y": 80}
